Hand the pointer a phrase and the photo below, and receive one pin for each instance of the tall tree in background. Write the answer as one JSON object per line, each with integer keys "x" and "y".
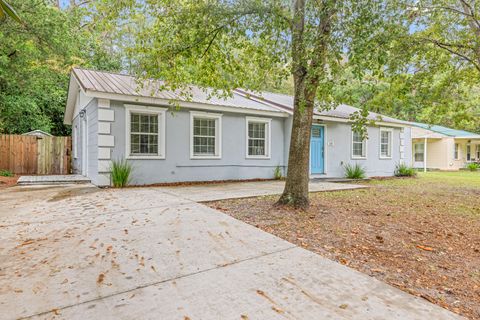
{"x": 35, "y": 59}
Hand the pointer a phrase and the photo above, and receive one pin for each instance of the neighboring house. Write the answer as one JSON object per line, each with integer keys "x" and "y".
{"x": 437, "y": 147}
{"x": 38, "y": 133}
{"x": 245, "y": 136}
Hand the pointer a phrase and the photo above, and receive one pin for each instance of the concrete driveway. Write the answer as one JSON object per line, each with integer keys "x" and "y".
{"x": 221, "y": 191}
{"x": 78, "y": 252}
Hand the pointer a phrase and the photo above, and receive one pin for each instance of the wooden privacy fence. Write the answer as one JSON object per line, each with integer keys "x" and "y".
{"x": 35, "y": 155}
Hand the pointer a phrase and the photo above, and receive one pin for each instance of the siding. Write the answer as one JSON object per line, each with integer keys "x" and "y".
{"x": 92, "y": 125}
{"x": 177, "y": 165}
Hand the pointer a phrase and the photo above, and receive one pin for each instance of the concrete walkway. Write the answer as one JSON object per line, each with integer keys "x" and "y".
{"x": 78, "y": 252}
{"x": 233, "y": 190}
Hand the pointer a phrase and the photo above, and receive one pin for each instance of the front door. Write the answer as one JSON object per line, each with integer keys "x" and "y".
{"x": 316, "y": 150}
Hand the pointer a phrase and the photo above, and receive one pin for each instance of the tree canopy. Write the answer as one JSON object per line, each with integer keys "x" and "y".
{"x": 36, "y": 56}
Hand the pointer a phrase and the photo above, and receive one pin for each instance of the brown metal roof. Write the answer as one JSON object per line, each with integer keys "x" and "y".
{"x": 121, "y": 84}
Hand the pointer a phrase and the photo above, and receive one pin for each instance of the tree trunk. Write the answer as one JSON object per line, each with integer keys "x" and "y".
{"x": 296, "y": 186}
{"x": 307, "y": 71}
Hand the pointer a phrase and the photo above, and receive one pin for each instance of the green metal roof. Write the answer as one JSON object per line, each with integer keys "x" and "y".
{"x": 446, "y": 131}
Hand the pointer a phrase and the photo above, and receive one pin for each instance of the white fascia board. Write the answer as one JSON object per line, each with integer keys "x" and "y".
{"x": 185, "y": 104}
{"x": 377, "y": 123}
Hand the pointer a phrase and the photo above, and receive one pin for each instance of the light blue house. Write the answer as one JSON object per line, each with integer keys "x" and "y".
{"x": 203, "y": 138}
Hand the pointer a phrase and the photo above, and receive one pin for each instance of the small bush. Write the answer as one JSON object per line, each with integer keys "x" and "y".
{"x": 121, "y": 171}
{"x": 402, "y": 170}
{"x": 355, "y": 171}
{"x": 6, "y": 173}
{"x": 472, "y": 166}
{"x": 277, "y": 173}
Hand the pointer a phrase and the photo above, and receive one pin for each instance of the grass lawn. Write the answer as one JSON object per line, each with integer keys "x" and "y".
{"x": 421, "y": 235}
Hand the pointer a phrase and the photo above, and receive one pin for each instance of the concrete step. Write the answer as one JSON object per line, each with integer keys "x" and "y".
{"x": 53, "y": 179}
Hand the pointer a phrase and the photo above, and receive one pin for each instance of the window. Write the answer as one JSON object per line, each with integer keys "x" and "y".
{"x": 258, "y": 138}
{"x": 455, "y": 154}
{"x": 385, "y": 143}
{"x": 359, "y": 146}
{"x": 478, "y": 152}
{"x": 205, "y": 140}
{"x": 145, "y": 132}
{"x": 469, "y": 150}
{"x": 419, "y": 152}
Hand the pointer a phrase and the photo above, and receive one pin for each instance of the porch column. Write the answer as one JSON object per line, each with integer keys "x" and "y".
{"x": 425, "y": 155}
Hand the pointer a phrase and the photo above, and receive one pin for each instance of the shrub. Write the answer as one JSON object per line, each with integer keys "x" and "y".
{"x": 355, "y": 171}
{"x": 402, "y": 170}
{"x": 472, "y": 166}
{"x": 277, "y": 173}
{"x": 121, "y": 171}
{"x": 6, "y": 173}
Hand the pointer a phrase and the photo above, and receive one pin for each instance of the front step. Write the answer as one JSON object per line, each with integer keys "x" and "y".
{"x": 52, "y": 179}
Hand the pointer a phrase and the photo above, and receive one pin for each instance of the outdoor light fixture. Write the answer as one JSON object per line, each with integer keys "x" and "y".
{"x": 82, "y": 113}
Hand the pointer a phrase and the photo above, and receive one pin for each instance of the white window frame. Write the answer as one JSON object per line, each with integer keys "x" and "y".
{"x": 75, "y": 141}
{"x": 468, "y": 152}
{"x": 268, "y": 137}
{"x": 477, "y": 152}
{"x": 456, "y": 151}
{"x": 364, "y": 146}
{"x": 390, "y": 143}
{"x": 218, "y": 134}
{"x": 161, "y": 114}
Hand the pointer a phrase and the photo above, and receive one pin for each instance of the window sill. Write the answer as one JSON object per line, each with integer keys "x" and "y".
{"x": 258, "y": 157}
{"x": 359, "y": 158}
{"x": 385, "y": 158}
{"x": 145, "y": 157}
{"x": 205, "y": 157}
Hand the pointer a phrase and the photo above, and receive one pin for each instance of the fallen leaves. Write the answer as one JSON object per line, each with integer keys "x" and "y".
{"x": 101, "y": 278}
{"x": 424, "y": 248}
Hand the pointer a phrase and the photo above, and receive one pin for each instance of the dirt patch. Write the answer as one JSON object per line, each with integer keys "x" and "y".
{"x": 72, "y": 193}
{"x": 6, "y": 182}
{"x": 420, "y": 235}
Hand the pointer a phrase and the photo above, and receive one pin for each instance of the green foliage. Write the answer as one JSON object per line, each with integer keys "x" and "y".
{"x": 472, "y": 166}
{"x": 403, "y": 170}
{"x": 277, "y": 173}
{"x": 121, "y": 172}
{"x": 35, "y": 60}
{"x": 354, "y": 171}
{"x": 7, "y": 10}
{"x": 6, "y": 173}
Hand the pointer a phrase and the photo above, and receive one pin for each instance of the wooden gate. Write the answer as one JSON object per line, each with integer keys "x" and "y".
{"x": 35, "y": 155}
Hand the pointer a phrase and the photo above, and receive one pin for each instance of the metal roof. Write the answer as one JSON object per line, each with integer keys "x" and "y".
{"x": 446, "y": 131}
{"x": 114, "y": 83}
{"x": 342, "y": 111}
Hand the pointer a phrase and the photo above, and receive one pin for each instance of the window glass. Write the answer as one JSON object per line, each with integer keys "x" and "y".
{"x": 419, "y": 152}
{"x": 143, "y": 134}
{"x": 385, "y": 144}
{"x": 204, "y": 130}
{"x": 257, "y": 138}
{"x": 358, "y": 145}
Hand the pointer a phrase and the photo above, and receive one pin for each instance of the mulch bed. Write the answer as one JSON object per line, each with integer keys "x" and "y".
{"x": 6, "y": 182}
{"x": 421, "y": 237}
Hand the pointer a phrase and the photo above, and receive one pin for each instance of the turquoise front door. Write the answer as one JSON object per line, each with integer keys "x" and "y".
{"x": 316, "y": 150}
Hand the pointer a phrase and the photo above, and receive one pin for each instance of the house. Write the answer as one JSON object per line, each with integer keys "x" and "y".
{"x": 437, "y": 147}
{"x": 203, "y": 138}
